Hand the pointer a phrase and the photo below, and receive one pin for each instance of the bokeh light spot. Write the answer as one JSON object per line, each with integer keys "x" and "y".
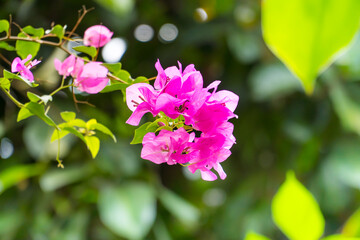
{"x": 114, "y": 50}
{"x": 168, "y": 32}
{"x": 144, "y": 33}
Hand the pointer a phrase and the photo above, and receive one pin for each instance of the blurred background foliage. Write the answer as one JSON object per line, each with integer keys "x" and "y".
{"x": 120, "y": 196}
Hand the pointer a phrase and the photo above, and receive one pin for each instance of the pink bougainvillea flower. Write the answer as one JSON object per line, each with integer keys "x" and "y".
{"x": 140, "y": 98}
{"x": 19, "y": 66}
{"x": 167, "y": 75}
{"x": 176, "y": 93}
{"x": 167, "y": 147}
{"x": 97, "y": 36}
{"x": 209, "y": 116}
{"x": 92, "y": 78}
{"x": 70, "y": 66}
{"x": 210, "y": 152}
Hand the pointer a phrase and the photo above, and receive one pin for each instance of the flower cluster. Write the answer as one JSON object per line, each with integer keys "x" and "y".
{"x": 90, "y": 77}
{"x": 198, "y": 135}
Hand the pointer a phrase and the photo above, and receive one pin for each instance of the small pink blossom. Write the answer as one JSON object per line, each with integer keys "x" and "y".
{"x": 92, "y": 78}
{"x": 97, "y": 36}
{"x": 70, "y": 66}
{"x": 18, "y": 65}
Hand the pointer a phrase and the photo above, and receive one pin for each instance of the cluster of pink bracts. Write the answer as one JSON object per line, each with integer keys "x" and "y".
{"x": 206, "y": 111}
{"x": 90, "y": 77}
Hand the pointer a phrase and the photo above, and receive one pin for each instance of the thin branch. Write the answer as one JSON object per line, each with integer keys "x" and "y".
{"x": 85, "y": 11}
{"x": 5, "y": 59}
{"x": 19, "y": 104}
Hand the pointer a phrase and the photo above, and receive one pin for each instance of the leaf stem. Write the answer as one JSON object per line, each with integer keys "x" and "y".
{"x": 17, "y": 103}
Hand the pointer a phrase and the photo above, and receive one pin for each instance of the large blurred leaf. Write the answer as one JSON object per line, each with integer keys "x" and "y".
{"x": 13, "y": 175}
{"x": 352, "y": 225}
{"x": 343, "y": 162}
{"x": 350, "y": 61}
{"x": 58, "y": 178}
{"x": 347, "y": 109}
{"x": 296, "y": 212}
{"x": 246, "y": 47}
{"x": 270, "y": 81}
{"x": 339, "y": 237}
{"x": 307, "y": 35}
{"x": 255, "y": 236}
{"x": 180, "y": 208}
{"x": 128, "y": 210}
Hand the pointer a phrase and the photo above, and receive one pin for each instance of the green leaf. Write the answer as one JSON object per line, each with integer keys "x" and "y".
{"x": 142, "y": 131}
{"x": 115, "y": 87}
{"x": 10, "y": 75}
{"x": 58, "y": 178}
{"x": 113, "y": 67}
{"x": 39, "y": 110}
{"x": 308, "y": 35}
{"x": 23, "y": 114}
{"x": 77, "y": 123}
{"x": 272, "y": 81}
{"x": 129, "y": 210}
{"x": 7, "y": 46}
{"x": 68, "y": 116}
{"x": 58, "y": 134}
{"x": 5, "y": 83}
{"x": 91, "y": 51}
{"x": 340, "y": 237}
{"x": 141, "y": 80}
{"x": 296, "y": 212}
{"x": 59, "y": 31}
{"x": 100, "y": 127}
{"x": 24, "y": 48}
{"x": 352, "y": 227}
{"x": 35, "y": 98}
{"x": 124, "y": 75}
{"x": 76, "y": 133}
{"x": 4, "y": 26}
{"x": 13, "y": 175}
{"x": 180, "y": 208}
{"x": 255, "y": 236}
{"x": 346, "y": 108}
{"x": 93, "y": 144}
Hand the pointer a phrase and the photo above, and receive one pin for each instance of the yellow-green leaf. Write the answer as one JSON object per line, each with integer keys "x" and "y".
{"x": 255, "y": 236}
{"x": 352, "y": 225}
{"x": 24, "y": 48}
{"x": 4, "y": 25}
{"x": 7, "y": 46}
{"x": 13, "y": 175}
{"x": 68, "y": 116}
{"x": 340, "y": 237}
{"x": 142, "y": 131}
{"x": 91, "y": 51}
{"x": 296, "y": 212}
{"x": 58, "y": 31}
{"x": 23, "y": 114}
{"x": 5, "y": 83}
{"x": 93, "y": 144}
{"x": 307, "y": 35}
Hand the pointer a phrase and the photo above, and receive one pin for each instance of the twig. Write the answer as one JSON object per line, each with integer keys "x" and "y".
{"x": 85, "y": 11}
{"x": 5, "y": 59}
